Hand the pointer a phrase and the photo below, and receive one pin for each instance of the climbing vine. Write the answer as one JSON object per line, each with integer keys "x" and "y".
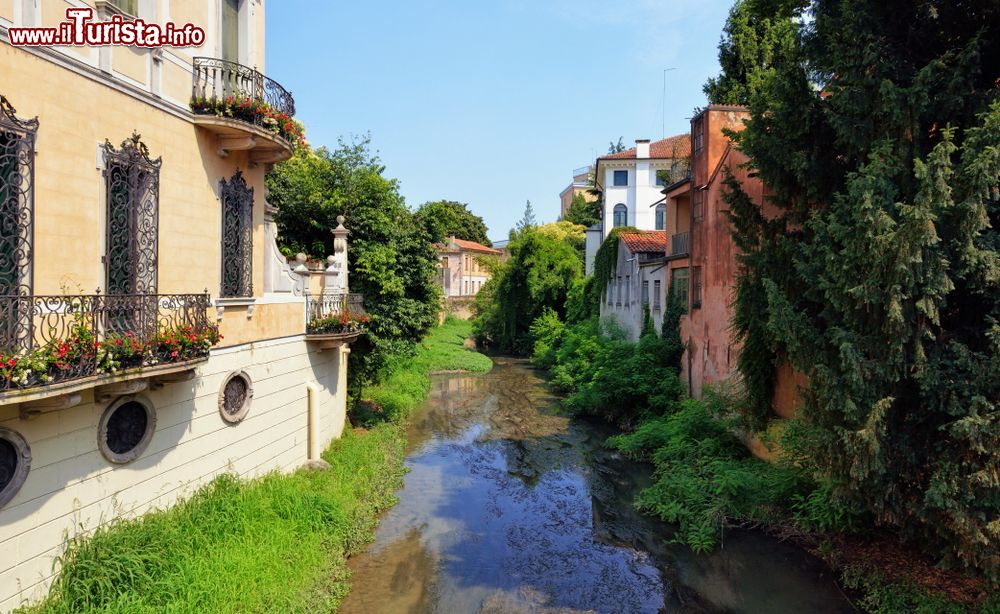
{"x": 606, "y": 263}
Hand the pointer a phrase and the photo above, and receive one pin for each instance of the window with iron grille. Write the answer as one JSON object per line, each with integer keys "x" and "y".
{"x": 17, "y": 171}
{"x": 656, "y": 294}
{"x": 628, "y": 290}
{"x": 618, "y": 293}
{"x": 237, "y": 237}
{"x": 697, "y": 203}
{"x": 132, "y": 190}
{"x": 696, "y": 287}
{"x": 679, "y": 284}
{"x": 645, "y": 293}
{"x": 609, "y": 291}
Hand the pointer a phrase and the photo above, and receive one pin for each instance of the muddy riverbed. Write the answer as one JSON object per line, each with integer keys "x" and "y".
{"x": 511, "y": 507}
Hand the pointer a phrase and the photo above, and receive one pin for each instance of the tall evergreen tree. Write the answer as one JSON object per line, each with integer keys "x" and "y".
{"x": 752, "y": 43}
{"x": 879, "y": 276}
{"x": 583, "y": 212}
{"x": 528, "y": 219}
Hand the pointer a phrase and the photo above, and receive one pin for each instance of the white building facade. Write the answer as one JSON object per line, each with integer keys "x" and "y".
{"x": 639, "y": 283}
{"x": 631, "y": 183}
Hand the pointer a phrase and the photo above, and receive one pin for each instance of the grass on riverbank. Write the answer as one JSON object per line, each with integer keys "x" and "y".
{"x": 407, "y": 383}
{"x": 278, "y": 543}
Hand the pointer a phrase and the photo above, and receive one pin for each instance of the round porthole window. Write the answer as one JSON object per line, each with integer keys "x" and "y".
{"x": 235, "y": 397}
{"x": 126, "y": 428}
{"x": 15, "y": 460}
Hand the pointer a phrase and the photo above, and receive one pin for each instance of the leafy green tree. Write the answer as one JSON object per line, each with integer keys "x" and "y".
{"x": 583, "y": 212}
{"x": 879, "y": 275}
{"x": 538, "y": 275}
{"x": 752, "y": 43}
{"x": 391, "y": 257}
{"x": 618, "y": 147}
{"x": 446, "y": 218}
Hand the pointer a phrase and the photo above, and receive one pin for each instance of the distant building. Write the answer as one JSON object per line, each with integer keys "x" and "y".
{"x": 631, "y": 183}
{"x": 461, "y": 273}
{"x": 582, "y": 178}
{"x": 639, "y": 282}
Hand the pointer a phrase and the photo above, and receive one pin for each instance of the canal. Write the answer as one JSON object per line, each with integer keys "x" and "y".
{"x": 511, "y": 507}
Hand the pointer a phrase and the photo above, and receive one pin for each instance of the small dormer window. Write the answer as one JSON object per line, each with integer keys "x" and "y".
{"x": 621, "y": 178}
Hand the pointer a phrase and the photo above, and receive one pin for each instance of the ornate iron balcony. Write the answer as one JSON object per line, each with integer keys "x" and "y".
{"x": 335, "y": 315}
{"x": 230, "y": 90}
{"x": 680, "y": 244}
{"x": 46, "y": 340}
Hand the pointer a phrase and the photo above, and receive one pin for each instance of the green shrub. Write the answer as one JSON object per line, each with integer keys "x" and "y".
{"x": 879, "y": 596}
{"x": 705, "y": 478}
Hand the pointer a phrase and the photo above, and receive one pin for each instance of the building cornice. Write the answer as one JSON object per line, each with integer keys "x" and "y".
{"x": 99, "y": 76}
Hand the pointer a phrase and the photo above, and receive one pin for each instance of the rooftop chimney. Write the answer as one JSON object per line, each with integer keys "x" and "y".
{"x": 642, "y": 148}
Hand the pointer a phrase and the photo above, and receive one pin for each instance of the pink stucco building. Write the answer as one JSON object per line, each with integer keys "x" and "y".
{"x": 462, "y": 274}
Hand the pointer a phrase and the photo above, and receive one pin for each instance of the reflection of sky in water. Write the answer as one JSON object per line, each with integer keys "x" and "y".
{"x": 503, "y": 511}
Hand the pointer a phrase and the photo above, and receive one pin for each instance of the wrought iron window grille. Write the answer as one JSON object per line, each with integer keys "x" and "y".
{"x": 132, "y": 183}
{"x": 237, "y": 237}
{"x": 17, "y": 175}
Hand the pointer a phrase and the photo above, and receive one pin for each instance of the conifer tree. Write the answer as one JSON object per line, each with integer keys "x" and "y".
{"x": 879, "y": 278}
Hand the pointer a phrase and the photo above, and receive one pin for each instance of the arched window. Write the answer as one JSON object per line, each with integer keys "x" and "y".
{"x": 661, "y": 217}
{"x": 621, "y": 215}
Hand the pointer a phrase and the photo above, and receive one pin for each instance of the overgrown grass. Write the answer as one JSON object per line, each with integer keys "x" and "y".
{"x": 274, "y": 544}
{"x": 407, "y": 384}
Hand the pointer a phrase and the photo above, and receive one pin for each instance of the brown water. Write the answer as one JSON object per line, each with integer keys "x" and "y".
{"x": 510, "y": 507}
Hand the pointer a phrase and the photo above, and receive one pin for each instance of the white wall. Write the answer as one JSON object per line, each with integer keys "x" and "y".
{"x": 629, "y": 314}
{"x": 639, "y": 196}
{"x": 71, "y": 486}
{"x": 594, "y": 237}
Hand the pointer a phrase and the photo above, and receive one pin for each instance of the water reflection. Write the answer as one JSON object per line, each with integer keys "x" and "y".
{"x": 509, "y": 507}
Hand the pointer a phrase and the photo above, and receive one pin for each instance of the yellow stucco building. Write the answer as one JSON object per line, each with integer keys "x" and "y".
{"x": 143, "y": 301}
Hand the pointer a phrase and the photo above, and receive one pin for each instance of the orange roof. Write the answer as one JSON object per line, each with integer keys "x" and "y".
{"x": 645, "y": 241}
{"x": 677, "y": 146}
{"x": 469, "y": 246}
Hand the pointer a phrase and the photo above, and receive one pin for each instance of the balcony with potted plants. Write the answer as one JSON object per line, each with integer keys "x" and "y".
{"x": 245, "y": 110}
{"x": 54, "y": 347}
{"x": 335, "y": 319}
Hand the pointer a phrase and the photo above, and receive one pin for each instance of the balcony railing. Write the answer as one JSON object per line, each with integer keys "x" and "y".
{"x": 340, "y": 314}
{"x": 680, "y": 244}
{"x": 227, "y": 89}
{"x": 46, "y": 340}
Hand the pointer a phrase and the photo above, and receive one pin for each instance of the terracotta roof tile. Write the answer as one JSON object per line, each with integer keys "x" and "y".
{"x": 645, "y": 242}
{"x": 677, "y": 146}
{"x": 469, "y": 246}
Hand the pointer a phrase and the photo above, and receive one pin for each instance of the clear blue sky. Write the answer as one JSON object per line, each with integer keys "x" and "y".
{"x": 492, "y": 102}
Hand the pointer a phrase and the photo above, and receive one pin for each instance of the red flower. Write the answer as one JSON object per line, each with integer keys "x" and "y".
{"x": 11, "y": 362}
